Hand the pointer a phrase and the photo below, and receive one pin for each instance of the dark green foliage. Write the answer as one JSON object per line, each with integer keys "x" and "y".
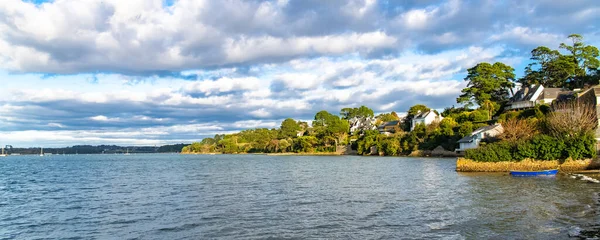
{"x": 524, "y": 150}
{"x": 171, "y": 148}
{"x": 495, "y": 152}
{"x": 581, "y": 147}
{"x": 541, "y": 147}
{"x": 547, "y": 147}
{"x": 487, "y": 82}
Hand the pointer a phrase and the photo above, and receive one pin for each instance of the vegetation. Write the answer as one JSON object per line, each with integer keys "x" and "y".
{"x": 558, "y": 132}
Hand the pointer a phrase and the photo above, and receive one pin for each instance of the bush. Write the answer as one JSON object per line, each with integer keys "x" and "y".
{"x": 524, "y": 150}
{"x": 548, "y": 148}
{"x": 540, "y": 147}
{"x": 495, "y": 152}
{"x": 583, "y": 147}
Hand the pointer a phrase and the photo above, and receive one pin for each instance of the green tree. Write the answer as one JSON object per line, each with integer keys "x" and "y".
{"x": 549, "y": 68}
{"x": 360, "y": 112}
{"x": 585, "y": 57}
{"x": 487, "y": 82}
{"x": 289, "y": 128}
{"x": 284, "y": 145}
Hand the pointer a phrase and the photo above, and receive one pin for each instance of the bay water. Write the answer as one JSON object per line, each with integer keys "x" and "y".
{"x": 171, "y": 196}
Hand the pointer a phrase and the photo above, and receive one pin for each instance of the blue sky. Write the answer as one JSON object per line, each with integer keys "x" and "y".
{"x": 153, "y": 72}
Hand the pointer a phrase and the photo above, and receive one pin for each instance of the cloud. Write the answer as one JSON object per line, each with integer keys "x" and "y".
{"x": 151, "y": 72}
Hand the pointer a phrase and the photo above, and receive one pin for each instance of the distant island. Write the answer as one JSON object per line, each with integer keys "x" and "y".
{"x": 100, "y": 149}
{"x": 552, "y": 117}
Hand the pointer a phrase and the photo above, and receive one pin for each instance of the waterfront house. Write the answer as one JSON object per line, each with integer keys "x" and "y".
{"x": 389, "y": 128}
{"x": 473, "y": 140}
{"x": 529, "y": 96}
{"x": 359, "y": 124}
{"x": 425, "y": 118}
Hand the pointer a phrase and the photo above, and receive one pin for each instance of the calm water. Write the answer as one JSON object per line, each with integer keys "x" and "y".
{"x": 256, "y": 197}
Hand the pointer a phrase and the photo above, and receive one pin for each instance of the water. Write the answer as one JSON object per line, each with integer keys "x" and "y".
{"x": 166, "y": 196}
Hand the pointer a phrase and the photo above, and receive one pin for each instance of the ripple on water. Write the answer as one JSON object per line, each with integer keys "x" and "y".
{"x": 262, "y": 197}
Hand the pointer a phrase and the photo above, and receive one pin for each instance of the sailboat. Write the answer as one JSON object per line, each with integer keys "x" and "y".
{"x": 127, "y": 152}
{"x": 3, "y": 154}
{"x": 41, "y": 152}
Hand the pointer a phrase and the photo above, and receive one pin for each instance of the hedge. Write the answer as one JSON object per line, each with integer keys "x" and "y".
{"x": 541, "y": 147}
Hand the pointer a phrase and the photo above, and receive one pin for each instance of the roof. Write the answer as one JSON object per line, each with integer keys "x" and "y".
{"x": 467, "y": 139}
{"x": 423, "y": 114}
{"x": 390, "y": 123}
{"x": 526, "y": 93}
{"x": 551, "y": 93}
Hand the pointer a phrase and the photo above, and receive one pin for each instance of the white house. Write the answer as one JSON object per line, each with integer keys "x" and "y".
{"x": 361, "y": 124}
{"x": 425, "y": 118}
{"x": 473, "y": 140}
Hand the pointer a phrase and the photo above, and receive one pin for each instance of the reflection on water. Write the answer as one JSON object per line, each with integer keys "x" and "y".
{"x": 253, "y": 196}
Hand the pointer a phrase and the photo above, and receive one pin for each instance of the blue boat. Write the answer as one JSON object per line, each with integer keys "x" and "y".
{"x": 534, "y": 173}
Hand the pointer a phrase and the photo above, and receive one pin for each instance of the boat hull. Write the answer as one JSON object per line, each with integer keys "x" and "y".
{"x": 534, "y": 173}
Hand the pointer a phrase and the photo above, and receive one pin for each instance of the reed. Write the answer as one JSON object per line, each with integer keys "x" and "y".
{"x": 575, "y": 165}
{"x": 468, "y": 165}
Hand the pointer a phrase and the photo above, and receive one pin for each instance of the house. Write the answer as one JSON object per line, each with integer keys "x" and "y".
{"x": 473, "y": 140}
{"x": 529, "y": 96}
{"x": 389, "y": 128}
{"x": 591, "y": 97}
{"x": 361, "y": 124}
{"x": 425, "y": 118}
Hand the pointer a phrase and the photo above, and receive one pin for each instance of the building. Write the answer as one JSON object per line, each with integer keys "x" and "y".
{"x": 425, "y": 118}
{"x": 473, "y": 140}
{"x": 389, "y": 128}
{"x": 360, "y": 124}
{"x": 529, "y": 96}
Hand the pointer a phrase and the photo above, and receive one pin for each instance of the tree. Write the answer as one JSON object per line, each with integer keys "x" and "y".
{"x": 549, "y": 68}
{"x": 360, "y": 112}
{"x": 586, "y": 56}
{"x": 487, "y": 82}
{"x": 284, "y": 145}
{"x": 289, "y": 128}
{"x": 387, "y": 117}
{"x": 416, "y": 109}
{"x": 322, "y": 118}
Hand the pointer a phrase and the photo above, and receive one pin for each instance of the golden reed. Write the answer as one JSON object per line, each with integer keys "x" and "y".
{"x": 467, "y": 165}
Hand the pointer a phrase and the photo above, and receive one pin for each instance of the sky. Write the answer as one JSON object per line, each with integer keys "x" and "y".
{"x": 154, "y": 72}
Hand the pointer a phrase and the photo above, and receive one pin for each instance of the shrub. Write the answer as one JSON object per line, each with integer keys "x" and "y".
{"x": 571, "y": 119}
{"x": 540, "y": 147}
{"x": 524, "y": 150}
{"x": 518, "y": 129}
{"x": 581, "y": 147}
{"x": 495, "y": 152}
{"x": 548, "y": 148}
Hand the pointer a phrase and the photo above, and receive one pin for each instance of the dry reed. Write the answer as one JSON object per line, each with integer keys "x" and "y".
{"x": 468, "y": 165}
{"x": 570, "y": 119}
{"x": 518, "y": 129}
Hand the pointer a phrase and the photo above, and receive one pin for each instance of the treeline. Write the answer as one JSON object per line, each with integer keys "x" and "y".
{"x": 489, "y": 89}
{"x": 354, "y": 129}
{"x": 100, "y": 149}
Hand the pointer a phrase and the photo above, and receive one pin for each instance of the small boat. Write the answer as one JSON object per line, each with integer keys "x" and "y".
{"x": 534, "y": 173}
{"x": 3, "y": 154}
